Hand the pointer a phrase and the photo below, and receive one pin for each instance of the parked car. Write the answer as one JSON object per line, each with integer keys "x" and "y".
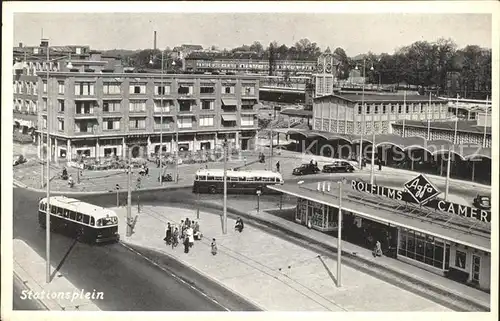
{"x": 338, "y": 167}
{"x": 482, "y": 202}
{"x": 20, "y": 159}
{"x": 305, "y": 169}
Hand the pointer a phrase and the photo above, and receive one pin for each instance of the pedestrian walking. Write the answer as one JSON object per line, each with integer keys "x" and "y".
{"x": 186, "y": 245}
{"x": 278, "y": 166}
{"x": 168, "y": 234}
{"x": 190, "y": 236}
{"x": 239, "y": 225}
{"x": 213, "y": 246}
{"x": 175, "y": 237}
{"x": 377, "y": 251}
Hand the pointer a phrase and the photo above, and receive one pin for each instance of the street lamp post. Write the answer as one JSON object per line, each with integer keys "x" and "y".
{"x": 224, "y": 214}
{"x": 48, "y": 156}
{"x": 363, "y": 118}
{"x": 161, "y": 92}
{"x": 258, "y": 199}
{"x": 129, "y": 193}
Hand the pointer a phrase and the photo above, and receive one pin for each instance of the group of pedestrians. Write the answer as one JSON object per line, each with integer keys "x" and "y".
{"x": 187, "y": 232}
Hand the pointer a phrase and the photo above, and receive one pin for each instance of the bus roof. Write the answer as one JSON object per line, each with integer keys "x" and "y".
{"x": 75, "y": 205}
{"x": 233, "y": 173}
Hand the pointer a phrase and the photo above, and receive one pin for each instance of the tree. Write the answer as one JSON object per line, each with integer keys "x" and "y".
{"x": 256, "y": 47}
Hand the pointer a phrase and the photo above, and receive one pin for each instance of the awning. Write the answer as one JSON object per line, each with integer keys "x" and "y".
{"x": 229, "y": 102}
{"x": 229, "y": 117}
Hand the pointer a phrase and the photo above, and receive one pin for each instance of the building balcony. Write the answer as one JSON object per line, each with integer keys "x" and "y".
{"x": 114, "y": 113}
{"x": 165, "y": 127}
{"x": 159, "y": 111}
{"x": 85, "y": 98}
{"x": 85, "y": 116}
{"x": 137, "y": 112}
{"x": 186, "y": 111}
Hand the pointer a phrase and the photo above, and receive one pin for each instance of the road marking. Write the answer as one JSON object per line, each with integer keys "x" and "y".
{"x": 174, "y": 276}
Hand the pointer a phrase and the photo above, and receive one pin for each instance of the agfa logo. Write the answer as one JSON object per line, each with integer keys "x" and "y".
{"x": 421, "y": 189}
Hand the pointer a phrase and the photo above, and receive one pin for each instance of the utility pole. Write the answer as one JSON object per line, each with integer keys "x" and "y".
{"x": 224, "y": 215}
{"x": 162, "y": 92}
{"x": 117, "y": 195}
{"x": 271, "y": 153}
{"x": 176, "y": 155}
{"x": 49, "y": 154}
{"x": 339, "y": 239}
{"x": 362, "y": 117}
{"x": 129, "y": 193}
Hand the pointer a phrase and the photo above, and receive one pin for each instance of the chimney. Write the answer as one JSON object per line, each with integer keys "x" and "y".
{"x": 20, "y": 45}
{"x": 154, "y": 42}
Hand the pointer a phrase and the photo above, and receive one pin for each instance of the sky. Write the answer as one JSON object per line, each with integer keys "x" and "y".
{"x": 356, "y": 33}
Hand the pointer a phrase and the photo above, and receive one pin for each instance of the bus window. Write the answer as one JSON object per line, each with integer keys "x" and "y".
{"x": 53, "y": 209}
{"x": 92, "y": 221}
{"x": 250, "y": 179}
{"x": 233, "y": 179}
{"x": 258, "y": 179}
{"x": 42, "y": 206}
{"x": 210, "y": 178}
{"x": 99, "y": 222}
{"x": 59, "y": 211}
{"x": 197, "y": 178}
{"x": 72, "y": 215}
{"x": 243, "y": 179}
{"x": 79, "y": 217}
{"x": 203, "y": 178}
{"x": 86, "y": 219}
{"x": 66, "y": 213}
{"x": 219, "y": 178}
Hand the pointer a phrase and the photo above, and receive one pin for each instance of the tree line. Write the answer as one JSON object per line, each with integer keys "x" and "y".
{"x": 440, "y": 66}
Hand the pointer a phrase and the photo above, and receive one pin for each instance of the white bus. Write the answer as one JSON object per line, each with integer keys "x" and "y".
{"x": 250, "y": 181}
{"x": 74, "y": 218}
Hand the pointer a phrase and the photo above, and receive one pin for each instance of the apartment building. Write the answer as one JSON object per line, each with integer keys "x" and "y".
{"x": 100, "y": 114}
{"x": 30, "y": 63}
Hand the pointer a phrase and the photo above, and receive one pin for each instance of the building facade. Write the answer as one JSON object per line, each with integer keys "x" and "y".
{"x": 30, "y": 63}
{"x": 247, "y": 63}
{"x": 99, "y": 114}
{"x": 344, "y": 113}
{"x": 326, "y": 74}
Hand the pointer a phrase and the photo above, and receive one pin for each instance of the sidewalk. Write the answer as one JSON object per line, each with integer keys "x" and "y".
{"x": 59, "y": 294}
{"x": 275, "y": 274}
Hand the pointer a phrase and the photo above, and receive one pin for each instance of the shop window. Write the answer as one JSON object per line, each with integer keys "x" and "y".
{"x": 460, "y": 258}
{"x": 402, "y": 243}
{"x": 438, "y": 255}
{"x": 411, "y": 245}
{"x": 476, "y": 268}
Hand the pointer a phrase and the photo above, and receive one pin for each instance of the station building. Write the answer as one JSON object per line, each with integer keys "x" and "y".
{"x": 98, "y": 114}
{"x": 448, "y": 239}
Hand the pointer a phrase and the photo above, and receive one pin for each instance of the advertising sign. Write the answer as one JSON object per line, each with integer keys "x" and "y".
{"x": 423, "y": 197}
{"x": 421, "y": 189}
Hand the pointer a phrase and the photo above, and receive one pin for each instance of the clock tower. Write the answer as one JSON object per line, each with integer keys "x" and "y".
{"x": 326, "y": 73}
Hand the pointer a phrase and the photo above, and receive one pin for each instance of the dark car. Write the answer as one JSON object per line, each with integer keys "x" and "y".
{"x": 338, "y": 167}
{"x": 482, "y": 202}
{"x": 305, "y": 169}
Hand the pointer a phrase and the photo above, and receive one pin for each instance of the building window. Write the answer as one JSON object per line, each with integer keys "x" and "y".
{"x": 84, "y": 108}
{"x": 44, "y": 122}
{"x": 111, "y": 124}
{"x": 44, "y": 104}
{"x": 400, "y": 108}
{"x": 368, "y": 110}
{"x": 185, "y": 105}
{"x": 137, "y": 106}
{"x": 138, "y": 89}
{"x": 137, "y": 123}
{"x": 248, "y": 91}
{"x": 460, "y": 258}
{"x": 206, "y": 121}
{"x": 247, "y": 120}
{"x": 185, "y": 90}
{"x": 184, "y": 122}
{"x": 207, "y": 104}
{"x": 360, "y": 110}
{"x": 15, "y": 87}
{"x": 61, "y": 105}
{"x": 44, "y": 87}
{"x": 111, "y": 88}
{"x": 60, "y": 87}
{"x": 162, "y": 90}
{"x": 84, "y": 89}
{"x": 60, "y": 124}
{"x": 207, "y": 90}
{"x": 384, "y": 109}
{"x": 162, "y": 106}
{"x": 407, "y": 109}
{"x": 111, "y": 106}
{"x": 228, "y": 89}
{"x": 376, "y": 109}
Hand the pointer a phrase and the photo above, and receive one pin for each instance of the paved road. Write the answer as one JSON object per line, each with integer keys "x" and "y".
{"x": 129, "y": 282}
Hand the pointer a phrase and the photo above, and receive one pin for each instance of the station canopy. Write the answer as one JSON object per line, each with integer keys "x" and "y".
{"x": 465, "y": 151}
